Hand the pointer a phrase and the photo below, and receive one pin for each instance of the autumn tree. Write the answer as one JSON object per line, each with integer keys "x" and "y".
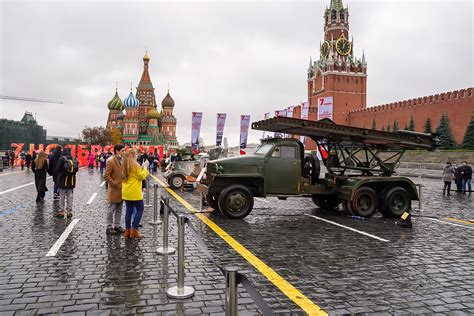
{"x": 95, "y": 135}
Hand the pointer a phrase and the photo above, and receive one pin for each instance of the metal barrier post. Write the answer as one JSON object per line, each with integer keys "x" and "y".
{"x": 147, "y": 192}
{"x": 181, "y": 291}
{"x": 419, "y": 198}
{"x": 165, "y": 250}
{"x": 155, "y": 221}
{"x": 200, "y": 201}
{"x": 231, "y": 290}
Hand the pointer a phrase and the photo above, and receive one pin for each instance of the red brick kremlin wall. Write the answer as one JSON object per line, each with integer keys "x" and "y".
{"x": 459, "y": 105}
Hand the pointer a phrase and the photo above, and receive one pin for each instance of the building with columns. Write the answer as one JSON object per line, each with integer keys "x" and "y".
{"x": 142, "y": 123}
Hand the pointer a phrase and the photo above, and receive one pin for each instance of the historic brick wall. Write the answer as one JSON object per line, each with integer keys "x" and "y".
{"x": 459, "y": 105}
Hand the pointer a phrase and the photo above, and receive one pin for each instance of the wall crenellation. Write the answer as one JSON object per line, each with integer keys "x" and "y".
{"x": 435, "y": 98}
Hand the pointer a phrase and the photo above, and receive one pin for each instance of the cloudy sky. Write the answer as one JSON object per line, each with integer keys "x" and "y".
{"x": 233, "y": 57}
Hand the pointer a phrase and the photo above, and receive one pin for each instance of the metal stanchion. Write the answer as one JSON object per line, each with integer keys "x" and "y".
{"x": 165, "y": 250}
{"x": 200, "y": 201}
{"x": 155, "y": 221}
{"x": 231, "y": 290}
{"x": 181, "y": 291}
{"x": 147, "y": 192}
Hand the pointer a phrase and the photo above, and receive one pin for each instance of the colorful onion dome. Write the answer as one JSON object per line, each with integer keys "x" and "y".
{"x": 167, "y": 101}
{"x": 131, "y": 101}
{"x": 153, "y": 114}
{"x": 120, "y": 116}
{"x": 116, "y": 103}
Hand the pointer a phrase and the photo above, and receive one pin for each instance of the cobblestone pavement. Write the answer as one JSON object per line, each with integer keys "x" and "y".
{"x": 427, "y": 269}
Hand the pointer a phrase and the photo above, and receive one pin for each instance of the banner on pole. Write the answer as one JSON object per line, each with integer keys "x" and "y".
{"x": 304, "y": 116}
{"x": 196, "y": 129}
{"x": 289, "y": 111}
{"x": 325, "y": 107}
{"x": 220, "y": 128}
{"x": 244, "y": 132}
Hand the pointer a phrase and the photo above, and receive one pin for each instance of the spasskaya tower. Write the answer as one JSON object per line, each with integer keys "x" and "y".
{"x": 337, "y": 73}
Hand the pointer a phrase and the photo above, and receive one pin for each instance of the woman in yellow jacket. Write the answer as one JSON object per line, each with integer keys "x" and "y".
{"x": 133, "y": 176}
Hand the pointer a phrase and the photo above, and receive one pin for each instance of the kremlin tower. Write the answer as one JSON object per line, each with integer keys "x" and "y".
{"x": 143, "y": 124}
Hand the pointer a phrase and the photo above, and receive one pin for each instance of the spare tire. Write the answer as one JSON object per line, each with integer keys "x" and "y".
{"x": 311, "y": 168}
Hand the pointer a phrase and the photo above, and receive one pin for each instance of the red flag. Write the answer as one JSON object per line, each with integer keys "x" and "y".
{"x": 324, "y": 153}
{"x": 242, "y": 152}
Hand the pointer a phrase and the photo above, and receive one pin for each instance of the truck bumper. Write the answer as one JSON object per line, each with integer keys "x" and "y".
{"x": 202, "y": 188}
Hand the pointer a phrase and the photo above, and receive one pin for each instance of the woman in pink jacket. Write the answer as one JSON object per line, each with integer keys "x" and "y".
{"x": 91, "y": 160}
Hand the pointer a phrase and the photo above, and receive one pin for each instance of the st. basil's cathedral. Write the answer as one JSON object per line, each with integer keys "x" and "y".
{"x": 142, "y": 123}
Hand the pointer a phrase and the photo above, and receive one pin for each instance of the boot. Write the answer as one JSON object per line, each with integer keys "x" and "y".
{"x": 135, "y": 234}
{"x": 127, "y": 234}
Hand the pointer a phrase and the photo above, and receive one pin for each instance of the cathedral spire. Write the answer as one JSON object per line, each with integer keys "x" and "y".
{"x": 336, "y": 5}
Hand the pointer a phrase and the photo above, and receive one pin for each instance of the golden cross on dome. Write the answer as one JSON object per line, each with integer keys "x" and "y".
{"x": 116, "y": 86}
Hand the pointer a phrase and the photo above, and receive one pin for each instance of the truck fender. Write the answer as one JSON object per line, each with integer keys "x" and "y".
{"x": 255, "y": 184}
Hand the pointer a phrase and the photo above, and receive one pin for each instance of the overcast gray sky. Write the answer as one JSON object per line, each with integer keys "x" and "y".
{"x": 231, "y": 57}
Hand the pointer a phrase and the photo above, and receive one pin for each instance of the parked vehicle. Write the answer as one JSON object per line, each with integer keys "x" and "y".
{"x": 360, "y": 164}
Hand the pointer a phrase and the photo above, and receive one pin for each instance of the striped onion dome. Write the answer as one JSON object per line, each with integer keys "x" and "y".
{"x": 131, "y": 101}
{"x": 116, "y": 103}
{"x": 153, "y": 114}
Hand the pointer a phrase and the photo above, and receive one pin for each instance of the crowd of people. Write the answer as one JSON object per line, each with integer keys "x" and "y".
{"x": 462, "y": 176}
{"x": 124, "y": 171}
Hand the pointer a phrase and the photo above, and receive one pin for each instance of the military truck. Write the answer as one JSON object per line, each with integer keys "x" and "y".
{"x": 360, "y": 165}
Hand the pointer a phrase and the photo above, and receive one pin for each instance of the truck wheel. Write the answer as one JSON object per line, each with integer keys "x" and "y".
{"x": 395, "y": 202}
{"x": 326, "y": 202}
{"x": 212, "y": 201}
{"x": 176, "y": 182}
{"x": 235, "y": 201}
{"x": 365, "y": 202}
{"x": 311, "y": 168}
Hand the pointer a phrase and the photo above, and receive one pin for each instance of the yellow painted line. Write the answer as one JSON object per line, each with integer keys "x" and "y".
{"x": 459, "y": 221}
{"x": 289, "y": 290}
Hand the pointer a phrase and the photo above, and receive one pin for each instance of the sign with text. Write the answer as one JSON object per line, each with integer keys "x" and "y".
{"x": 244, "y": 130}
{"x": 195, "y": 129}
{"x": 325, "y": 107}
{"x": 220, "y": 128}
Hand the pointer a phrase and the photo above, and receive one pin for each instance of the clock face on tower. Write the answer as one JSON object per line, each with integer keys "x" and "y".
{"x": 343, "y": 46}
{"x": 325, "y": 49}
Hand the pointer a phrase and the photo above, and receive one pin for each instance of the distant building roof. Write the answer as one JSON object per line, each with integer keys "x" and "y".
{"x": 28, "y": 118}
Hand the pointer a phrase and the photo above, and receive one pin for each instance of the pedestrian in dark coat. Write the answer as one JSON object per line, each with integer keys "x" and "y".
{"x": 458, "y": 178}
{"x": 466, "y": 171}
{"x": 28, "y": 161}
{"x": 66, "y": 181}
{"x": 448, "y": 175}
{"x": 40, "y": 167}
{"x": 53, "y": 162}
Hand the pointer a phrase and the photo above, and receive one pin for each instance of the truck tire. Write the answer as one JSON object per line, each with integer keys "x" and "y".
{"x": 311, "y": 168}
{"x": 212, "y": 201}
{"x": 365, "y": 202}
{"x": 326, "y": 202}
{"x": 176, "y": 182}
{"x": 395, "y": 202}
{"x": 235, "y": 201}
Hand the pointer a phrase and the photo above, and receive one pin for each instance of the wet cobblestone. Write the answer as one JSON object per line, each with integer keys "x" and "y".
{"x": 427, "y": 269}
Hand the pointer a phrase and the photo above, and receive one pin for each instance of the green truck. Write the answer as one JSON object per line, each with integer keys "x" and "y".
{"x": 360, "y": 165}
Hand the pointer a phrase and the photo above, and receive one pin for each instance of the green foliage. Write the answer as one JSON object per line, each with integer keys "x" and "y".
{"x": 374, "y": 125}
{"x": 468, "y": 141}
{"x": 388, "y": 127}
{"x": 395, "y": 126}
{"x": 411, "y": 125}
{"x": 445, "y": 135}
{"x": 428, "y": 129}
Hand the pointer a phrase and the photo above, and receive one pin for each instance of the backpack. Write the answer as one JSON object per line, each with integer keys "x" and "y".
{"x": 70, "y": 166}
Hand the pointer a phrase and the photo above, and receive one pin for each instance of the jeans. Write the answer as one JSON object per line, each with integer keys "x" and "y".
{"x": 130, "y": 207}
{"x": 447, "y": 185}
{"x": 114, "y": 214}
{"x": 65, "y": 194}
{"x": 466, "y": 184}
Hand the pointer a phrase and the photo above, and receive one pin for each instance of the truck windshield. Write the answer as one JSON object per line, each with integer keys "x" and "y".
{"x": 264, "y": 149}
